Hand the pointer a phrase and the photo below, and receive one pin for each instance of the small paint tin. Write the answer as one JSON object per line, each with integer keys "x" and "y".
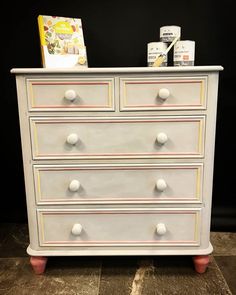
{"x": 154, "y": 49}
{"x": 168, "y": 33}
{"x": 184, "y": 53}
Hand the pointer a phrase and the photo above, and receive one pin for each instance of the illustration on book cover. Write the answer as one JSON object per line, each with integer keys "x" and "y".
{"x": 62, "y": 41}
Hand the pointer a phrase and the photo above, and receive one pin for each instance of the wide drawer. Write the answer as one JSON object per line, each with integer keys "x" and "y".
{"x": 163, "y": 93}
{"x": 156, "y": 137}
{"x": 170, "y": 227}
{"x": 84, "y": 94}
{"x": 118, "y": 183}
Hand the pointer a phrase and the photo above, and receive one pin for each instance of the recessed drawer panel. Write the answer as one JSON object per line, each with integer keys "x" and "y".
{"x": 156, "y": 137}
{"x": 71, "y": 94}
{"x": 163, "y": 93}
{"x": 170, "y": 227}
{"x": 118, "y": 183}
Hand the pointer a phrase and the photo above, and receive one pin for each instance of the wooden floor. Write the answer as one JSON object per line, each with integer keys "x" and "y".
{"x": 159, "y": 275}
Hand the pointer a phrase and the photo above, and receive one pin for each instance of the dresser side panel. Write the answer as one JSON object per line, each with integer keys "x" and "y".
{"x": 27, "y": 159}
{"x": 209, "y": 156}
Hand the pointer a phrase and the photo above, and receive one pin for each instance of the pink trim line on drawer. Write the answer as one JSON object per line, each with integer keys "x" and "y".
{"x": 121, "y": 242}
{"x": 70, "y": 106}
{"x": 115, "y": 121}
{"x": 119, "y": 154}
{"x": 70, "y": 83}
{"x": 163, "y": 82}
{"x": 122, "y": 168}
{"x": 117, "y": 199}
{"x": 161, "y": 106}
{"x": 175, "y": 211}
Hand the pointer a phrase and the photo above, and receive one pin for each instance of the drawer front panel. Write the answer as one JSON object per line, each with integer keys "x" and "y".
{"x": 60, "y": 184}
{"x": 109, "y": 227}
{"x": 52, "y": 94}
{"x": 163, "y": 93}
{"x": 117, "y": 138}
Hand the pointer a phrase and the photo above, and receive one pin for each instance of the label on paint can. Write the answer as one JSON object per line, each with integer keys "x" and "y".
{"x": 184, "y": 53}
{"x": 168, "y": 33}
{"x": 154, "y": 50}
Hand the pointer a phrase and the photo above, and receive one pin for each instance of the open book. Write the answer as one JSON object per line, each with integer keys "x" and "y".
{"x": 62, "y": 42}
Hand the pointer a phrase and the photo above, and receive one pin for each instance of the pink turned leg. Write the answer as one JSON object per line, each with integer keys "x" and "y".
{"x": 201, "y": 263}
{"x": 38, "y": 264}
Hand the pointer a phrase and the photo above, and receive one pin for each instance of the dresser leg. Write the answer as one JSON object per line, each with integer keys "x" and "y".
{"x": 201, "y": 263}
{"x": 38, "y": 264}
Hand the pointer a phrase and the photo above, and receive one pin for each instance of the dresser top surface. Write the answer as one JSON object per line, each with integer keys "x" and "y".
{"x": 116, "y": 70}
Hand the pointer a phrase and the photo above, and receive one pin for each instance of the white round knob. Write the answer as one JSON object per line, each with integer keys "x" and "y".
{"x": 74, "y": 185}
{"x": 76, "y": 229}
{"x": 164, "y": 93}
{"x": 161, "y": 185}
{"x": 161, "y": 229}
{"x": 72, "y": 138}
{"x": 162, "y": 138}
{"x": 70, "y": 95}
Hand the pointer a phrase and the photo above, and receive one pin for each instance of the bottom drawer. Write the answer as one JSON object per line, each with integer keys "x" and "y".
{"x": 117, "y": 227}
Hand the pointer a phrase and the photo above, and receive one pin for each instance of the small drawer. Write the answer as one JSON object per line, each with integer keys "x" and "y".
{"x": 153, "y": 137}
{"x": 116, "y": 227}
{"x": 185, "y": 93}
{"x": 118, "y": 183}
{"x": 71, "y": 94}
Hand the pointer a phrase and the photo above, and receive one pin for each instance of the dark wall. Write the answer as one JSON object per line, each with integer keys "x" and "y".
{"x": 116, "y": 34}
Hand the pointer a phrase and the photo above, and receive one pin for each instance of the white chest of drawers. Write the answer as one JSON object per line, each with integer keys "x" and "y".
{"x": 118, "y": 161}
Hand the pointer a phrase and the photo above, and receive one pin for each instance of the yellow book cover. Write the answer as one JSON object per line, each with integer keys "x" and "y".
{"x": 62, "y": 42}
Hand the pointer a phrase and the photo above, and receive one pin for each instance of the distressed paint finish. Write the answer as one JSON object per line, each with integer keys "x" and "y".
{"x": 117, "y": 183}
{"x": 117, "y": 122}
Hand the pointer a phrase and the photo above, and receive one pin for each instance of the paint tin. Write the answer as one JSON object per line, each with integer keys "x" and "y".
{"x": 154, "y": 50}
{"x": 168, "y": 33}
{"x": 184, "y": 53}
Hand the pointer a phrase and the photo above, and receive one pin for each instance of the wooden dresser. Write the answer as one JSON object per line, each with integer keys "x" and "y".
{"x": 118, "y": 161}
